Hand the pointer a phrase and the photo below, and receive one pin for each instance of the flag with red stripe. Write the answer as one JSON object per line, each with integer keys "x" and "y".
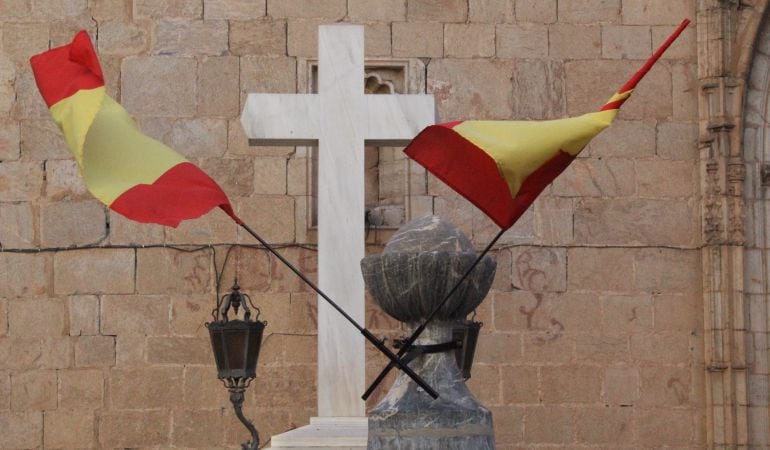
{"x": 502, "y": 166}
{"x": 133, "y": 174}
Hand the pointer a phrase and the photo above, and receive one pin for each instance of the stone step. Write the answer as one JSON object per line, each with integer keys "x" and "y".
{"x": 334, "y": 433}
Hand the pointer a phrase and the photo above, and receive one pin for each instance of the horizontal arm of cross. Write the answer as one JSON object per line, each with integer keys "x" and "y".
{"x": 394, "y": 120}
{"x": 282, "y": 119}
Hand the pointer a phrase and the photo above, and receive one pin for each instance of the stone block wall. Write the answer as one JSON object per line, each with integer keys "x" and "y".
{"x": 593, "y": 331}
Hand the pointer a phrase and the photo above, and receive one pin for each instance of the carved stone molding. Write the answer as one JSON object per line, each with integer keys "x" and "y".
{"x": 726, "y": 32}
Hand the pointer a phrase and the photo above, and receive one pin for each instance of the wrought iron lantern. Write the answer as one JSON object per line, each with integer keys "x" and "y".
{"x": 466, "y": 334}
{"x": 236, "y": 343}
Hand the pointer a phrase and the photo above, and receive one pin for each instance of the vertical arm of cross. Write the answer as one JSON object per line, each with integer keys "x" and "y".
{"x": 341, "y": 216}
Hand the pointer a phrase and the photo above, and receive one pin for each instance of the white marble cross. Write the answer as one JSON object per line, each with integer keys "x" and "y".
{"x": 341, "y": 119}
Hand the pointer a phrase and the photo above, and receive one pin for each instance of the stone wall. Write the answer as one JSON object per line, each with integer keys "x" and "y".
{"x": 593, "y": 333}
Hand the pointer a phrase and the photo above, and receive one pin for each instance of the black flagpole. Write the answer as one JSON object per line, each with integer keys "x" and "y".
{"x": 408, "y": 343}
{"x": 380, "y": 344}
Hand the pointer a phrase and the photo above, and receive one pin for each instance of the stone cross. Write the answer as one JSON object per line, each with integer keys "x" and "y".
{"x": 341, "y": 119}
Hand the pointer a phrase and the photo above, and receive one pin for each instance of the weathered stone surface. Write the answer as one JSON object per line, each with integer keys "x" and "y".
{"x": 657, "y": 12}
{"x": 188, "y": 38}
{"x": 169, "y": 271}
{"x": 661, "y": 178}
{"x": 415, "y": 39}
{"x": 471, "y": 89}
{"x": 684, "y": 82}
{"x": 272, "y": 215}
{"x": 129, "y": 388}
{"x": 108, "y": 271}
{"x": 635, "y": 221}
{"x": 571, "y": 384}
{"x": 589, "y": 11}
{"x": 95, "y": 351}
{"x": 197, "y": 428}
{"x": 602, "y": 425}
{"x": 490, "y": 11}
{"x": 21, "y": 429}
{"x": 110, "y": 9}
{"x": 677, "y": 141}
{"x": 234, "y": 176}
{"x": 24, "y": 275}
{"x": 179, "y": 350}
{"x": 170, "y": 91}
{"x": 683, "y": 48}
{"x": 212, "y": 228}
{"x": 437, "y": 10}
{"x": 537, "y": 11}
{"x": 127, "y": 429}
{"x": 22, "y": 40}
{"x": 158, "y": 9}
{"x": 522, "y": 41}
{"x": 308, "y": 9}
{"x": 199, "y": 138}
{"x": 469, "y": 40}
{"x": 621, "y": 385}
{"x": 9, "y": 140}
{"x": 81, "y": 389}
{"x": 36, "y": 317}
{"x": 377, "y": 10}
{"x": 7, "y": 77}
{"x": 28, "y": 103}
{"x": 233, "y": 9}
{"x": 566, "y": 41}
{"x": 548, "y": 424}
{"x": 20, "y": 181}
{"x": 199, "y": 390}
{"x": 626, "y": 42}
{"x": 268, "y": 74}
{"x": 539, "y": 269}
{"x": 258, "y": 37}
{"x": 64, "y": 224}
{"x": 627, "y": 313}
{"x": 590, "y": 83}
{"x": 638, "y": 140}
{"x": 68, "y": 429}
{"x": 64, "y": 182}
{"x": 188, "y": 314}
{"x": 42, "y": 140}
{"x": 218, "y": 90}
{"x": 588, "y": 177}
{"x": 665, "y": 426}
{"x": 520, "y": 385}
{"x": 270, "y": 176}
{"x": 302, "y": 37}
{"x": 600, "y": 269}
{"x": 668, "y": 270}
{"x": 377, "y": 39}
{"x": 538, "y": 90}
{"x": 33, "y": 391}
{"x": 125, "y": 231}
{"x": 120, "y": 38}
{"x": 17, "y": 226}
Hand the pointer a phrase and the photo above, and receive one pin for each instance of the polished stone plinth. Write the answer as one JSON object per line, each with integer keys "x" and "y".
{"x": 411, "y": 277}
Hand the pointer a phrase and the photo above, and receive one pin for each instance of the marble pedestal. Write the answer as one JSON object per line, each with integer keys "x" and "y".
{"x": 408, "y": 419}
{"x": 330, "y": 433}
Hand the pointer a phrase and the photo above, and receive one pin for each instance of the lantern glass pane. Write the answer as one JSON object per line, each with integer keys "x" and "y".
{"x": 255, "y": 337}
{"x": 236, "y": 348}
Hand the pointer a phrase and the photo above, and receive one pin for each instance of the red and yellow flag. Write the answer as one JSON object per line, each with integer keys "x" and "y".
{"x": 131, "y": 173}
{"x": 502, "y": 166}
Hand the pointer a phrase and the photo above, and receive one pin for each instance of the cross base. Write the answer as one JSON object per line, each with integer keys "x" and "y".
{"x": 337, "y": 433}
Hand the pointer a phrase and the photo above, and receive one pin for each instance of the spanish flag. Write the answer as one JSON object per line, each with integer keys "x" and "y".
{"x": 502, "y": 166}
{"x": 131, "y": 173}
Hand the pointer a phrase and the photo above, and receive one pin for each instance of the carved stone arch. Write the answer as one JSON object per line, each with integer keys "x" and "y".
{"x": 727, "y": 32}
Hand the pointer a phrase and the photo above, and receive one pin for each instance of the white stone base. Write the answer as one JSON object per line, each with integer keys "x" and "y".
{"x": 338, "y": 433}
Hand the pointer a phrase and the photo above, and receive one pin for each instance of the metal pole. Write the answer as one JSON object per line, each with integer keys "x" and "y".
{"x": 380, "y": 344}
{"x": 408, "y": 343}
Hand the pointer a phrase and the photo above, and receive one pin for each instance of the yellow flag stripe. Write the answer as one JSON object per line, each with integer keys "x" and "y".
{"x": 117, "y": 156}
{"x": 74, "y": 116}
{"x": 521, "y": 147}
